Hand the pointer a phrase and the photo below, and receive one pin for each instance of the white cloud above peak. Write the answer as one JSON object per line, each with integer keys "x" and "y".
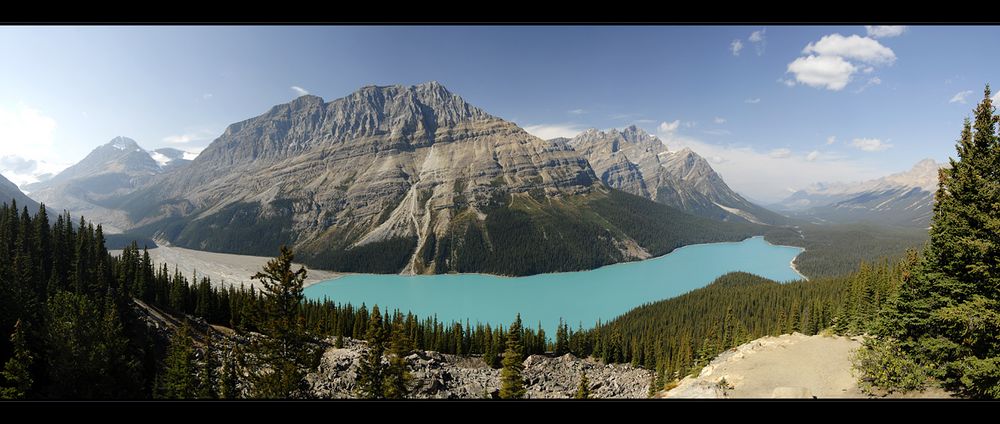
{"x": 550, "y": 131}
{"x": 885, "y": 31}
{"x": 299, "y": 90}
{"x": 669, "y": 127}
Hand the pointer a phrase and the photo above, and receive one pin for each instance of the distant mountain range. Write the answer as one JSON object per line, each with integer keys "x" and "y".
{"x": 639, "y": 163}
{"x": 903, "y": 199}
{"x": 110, "y": 171}
{"x": 405, "y": 179}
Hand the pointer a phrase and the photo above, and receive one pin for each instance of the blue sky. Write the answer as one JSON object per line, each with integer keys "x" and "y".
{"x": 762, "y": 103}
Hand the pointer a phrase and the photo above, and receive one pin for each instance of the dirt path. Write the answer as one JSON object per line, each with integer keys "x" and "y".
{"x": 788, "y": 366}
{"x": 223, "y": 268}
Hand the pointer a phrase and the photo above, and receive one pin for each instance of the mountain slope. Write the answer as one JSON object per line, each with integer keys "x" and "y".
{"x": 902, "y": 199}
{"x": 402, "y": 179}
{"x": 9, "y": 191}
{"x": 639, "y": 163}
{"x": 108, "y": 172}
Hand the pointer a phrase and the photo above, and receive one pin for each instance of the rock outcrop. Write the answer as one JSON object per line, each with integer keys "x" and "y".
{"x": 441, "y": 376}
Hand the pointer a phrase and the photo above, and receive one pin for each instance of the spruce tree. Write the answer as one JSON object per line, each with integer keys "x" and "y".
{"x": 286, "y": 352}
{"x": 947, "y": 315}
{"x": 179, "y": 379}
{"x": 372, "y": 372}
{"x": 17, "y": 370}
{"x": 583, "y": 389}
{"x": 229, "y": 380}
{"x": 398, "y": 377}
{"x": 511, "y": 381}
{"x": 562, "y": 338}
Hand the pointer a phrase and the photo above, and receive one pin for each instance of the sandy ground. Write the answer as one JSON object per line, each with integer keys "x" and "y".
{"x": 788, "y": 366}
{"x": 223, "y": 268}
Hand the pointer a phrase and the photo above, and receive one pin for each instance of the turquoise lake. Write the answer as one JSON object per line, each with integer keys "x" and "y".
{"x": 578, "y": 297}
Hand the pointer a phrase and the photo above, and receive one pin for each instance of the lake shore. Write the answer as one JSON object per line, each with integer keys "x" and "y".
{"x": 223, "y": 268}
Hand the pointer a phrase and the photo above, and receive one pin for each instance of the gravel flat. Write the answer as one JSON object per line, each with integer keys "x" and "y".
{"x": 787, "y": 366}
{"x": 223, "y": 268}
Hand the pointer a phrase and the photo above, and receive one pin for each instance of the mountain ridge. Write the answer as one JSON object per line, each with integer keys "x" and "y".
{"x": 408, "y": 179}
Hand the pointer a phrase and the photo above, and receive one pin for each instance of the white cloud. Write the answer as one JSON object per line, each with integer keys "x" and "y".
{"x": 299, "y": 90}
{"x": 781, "y": 153}
{"x": 207, "y": 96}
{"x": 870, "y": 144}
{"x": 577, "y": 112}
{"x": 26, "y": 132}
{"x": 960, "y": 97}
{"x": 831, "y": 139}
{"x": 758, "y": 40}
{"x": 854, "y": 47}
{"x": 788, "y": 82}
{"x": 719, "y": 120}
{"x": 752, "y": 101}
{"x": 669, "y": 127}
{"x": 831, "y": 61}
{"x": 871, "y": 81}
{"x": 27, "y": 144}
{"x": 717, "y": 131}
{"x": 995, "y": 98}
{"x": 812, "y": 155}
{"x": 766, "y": 178}
{"x": 885, "y": 31}
{"x": 550, "y": 131}
{"x": 830, "y": 72}
{"x": 735, "y": 47}
{"x": 190, "y": 137}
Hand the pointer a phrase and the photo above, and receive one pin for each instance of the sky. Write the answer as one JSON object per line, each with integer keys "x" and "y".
{"x": 773, "y": 108}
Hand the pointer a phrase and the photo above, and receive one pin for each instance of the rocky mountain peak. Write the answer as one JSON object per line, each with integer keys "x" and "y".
{"x": 123, "y": 144}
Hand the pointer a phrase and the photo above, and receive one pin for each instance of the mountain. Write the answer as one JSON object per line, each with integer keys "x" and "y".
{"x": 634, "y": 161}
{"x": 9, "y": 191}
{"x": 406, "y": 179}
{"x": 169, "y": 158}
{"x": 903, "y": 199}
{"x": 108, "y": 172}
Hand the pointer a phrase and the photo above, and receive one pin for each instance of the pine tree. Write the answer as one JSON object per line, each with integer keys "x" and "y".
{"x": 398, "y": 377}
{"x": 179, "y": 379}
{"x": 209, "y": 380}
{"x": 948, "y": 314}
{"x": 562, "y": 339}
{"x": 583, "y": 389}
{"x": 286, "y": 352}
{"x": 229, "y": 380}
{"x": 511, "y": 382}
{"x": 17, "y": 370}
{"x": 372, "y": 372}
